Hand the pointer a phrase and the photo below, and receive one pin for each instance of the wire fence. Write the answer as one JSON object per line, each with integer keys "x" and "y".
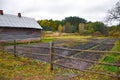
{"x": 52, "y": 55}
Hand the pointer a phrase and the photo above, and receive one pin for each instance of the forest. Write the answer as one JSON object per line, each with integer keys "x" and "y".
{"x": 79, "y": 25}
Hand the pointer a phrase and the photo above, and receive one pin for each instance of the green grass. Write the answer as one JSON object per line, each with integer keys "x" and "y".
{"x": 117, "y": 46}
{"x": 67, "y": 37}
{"x": 47, "y": 39}
{"x": 111, "y": 58}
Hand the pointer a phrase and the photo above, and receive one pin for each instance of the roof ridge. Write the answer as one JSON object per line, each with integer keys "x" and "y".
{"x": 17, "y": 16}
{"x": 15, "y": 21}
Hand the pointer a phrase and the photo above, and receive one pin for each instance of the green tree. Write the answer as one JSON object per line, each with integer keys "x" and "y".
{"x": 90, "y": 27}
{"x": 68, "y": 28}
{"x": 96, "y": 26}
{"x": 73, "y": 28}
{"x": 74, "y": 21}
{"x": 101, "y": 27}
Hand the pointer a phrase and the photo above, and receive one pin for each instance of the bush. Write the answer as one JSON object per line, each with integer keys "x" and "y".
{"x": 86, "y": 32}
{"x": 97, "y": 33}
{"x": 114, "y": 34}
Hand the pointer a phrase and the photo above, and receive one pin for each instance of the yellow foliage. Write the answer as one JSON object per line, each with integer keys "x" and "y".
{"x": 60, "y": 28}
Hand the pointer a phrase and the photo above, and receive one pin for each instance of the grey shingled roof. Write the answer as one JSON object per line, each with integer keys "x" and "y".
{"x": 8, "y": 20}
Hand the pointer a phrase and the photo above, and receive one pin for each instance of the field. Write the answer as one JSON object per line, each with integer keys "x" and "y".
{"x": 34, "y": 51}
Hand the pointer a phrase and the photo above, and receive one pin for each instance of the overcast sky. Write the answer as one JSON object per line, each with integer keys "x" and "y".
{"x": 91, "y": 10}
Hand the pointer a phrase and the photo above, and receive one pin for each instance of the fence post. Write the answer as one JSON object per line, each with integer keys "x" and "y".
{"x": 51, "y": 55}
{"x": 3, "y": 47}
{"x": 29, "y": 51}
{"x": 15, "y": 48}
{"x": 118, "y": 74}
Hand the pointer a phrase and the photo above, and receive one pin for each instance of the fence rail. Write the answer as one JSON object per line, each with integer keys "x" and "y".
{"x": 89, "y": 61}
{"x": 91, "y": 51}
{"x": 41, "y": 54}
{"x": 35, "y": 47}
{"x": 101, "y": 73}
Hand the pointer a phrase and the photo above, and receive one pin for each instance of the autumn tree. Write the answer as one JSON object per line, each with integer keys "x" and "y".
{"x": 52, "y": 25}
{"x": 45, "y": 24}
{"x": 81, "y": 28}
{"x": 60, "y": 29}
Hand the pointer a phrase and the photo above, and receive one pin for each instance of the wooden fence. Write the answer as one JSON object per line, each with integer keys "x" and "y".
{"x": 84, "y": 60}
{"x": 52, "y": 61}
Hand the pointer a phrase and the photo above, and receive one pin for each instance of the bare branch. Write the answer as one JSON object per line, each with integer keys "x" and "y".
{"x": 114, "y": 13}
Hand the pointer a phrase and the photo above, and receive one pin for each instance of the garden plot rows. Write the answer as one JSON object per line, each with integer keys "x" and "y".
{"x": 105, "y": 44}
{"x": 34, "y": 50}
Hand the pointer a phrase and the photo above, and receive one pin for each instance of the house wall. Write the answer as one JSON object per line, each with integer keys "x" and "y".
{"x": 18, "y": 33}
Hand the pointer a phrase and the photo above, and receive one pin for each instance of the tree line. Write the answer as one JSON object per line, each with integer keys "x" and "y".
{"x": 73, "y": 24}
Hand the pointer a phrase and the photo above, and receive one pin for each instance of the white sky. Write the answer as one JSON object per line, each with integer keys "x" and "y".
{"x": 91, "y": 10}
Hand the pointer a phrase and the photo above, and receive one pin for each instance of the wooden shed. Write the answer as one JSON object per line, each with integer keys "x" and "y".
{"x": 18, "y": 27}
